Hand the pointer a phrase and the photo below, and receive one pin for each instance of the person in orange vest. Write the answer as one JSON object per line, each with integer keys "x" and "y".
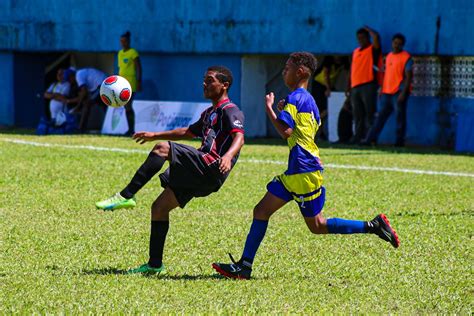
{"x": 362, "y": 83}
{"x": 395, "y": 91}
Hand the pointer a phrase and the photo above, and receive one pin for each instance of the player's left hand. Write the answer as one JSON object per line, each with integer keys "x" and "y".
{"x": 143, "y": 137}
{"x": 225, "y": 164}
{"x": 281, "y": 105}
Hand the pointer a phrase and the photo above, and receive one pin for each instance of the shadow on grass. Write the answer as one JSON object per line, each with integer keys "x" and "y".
{"x": 104, "y": 271}
{"x": 182, "y": 277}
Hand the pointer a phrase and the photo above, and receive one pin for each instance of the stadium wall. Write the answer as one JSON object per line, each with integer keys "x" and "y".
{"x": 179, "y": 77}
{"x": 236, "y": 27}
{"x": 178, "y": 40}
{"x": 7, "y": 115}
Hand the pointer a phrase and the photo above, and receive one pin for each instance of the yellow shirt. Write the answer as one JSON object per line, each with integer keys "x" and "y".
{"x": 126, "y": 64}
{"x": 333, "y": 73}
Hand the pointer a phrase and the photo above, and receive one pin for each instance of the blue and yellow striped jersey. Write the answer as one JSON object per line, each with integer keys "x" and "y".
{"x": 302, "y": 115}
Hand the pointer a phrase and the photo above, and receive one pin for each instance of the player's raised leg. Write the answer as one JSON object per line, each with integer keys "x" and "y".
{"x": 262, "y": 212}
{"x": 379, "y": 226}
{"x": 151, "y": 166}
{"x": 317, "y": 224}
{"x": 160, "y": 211}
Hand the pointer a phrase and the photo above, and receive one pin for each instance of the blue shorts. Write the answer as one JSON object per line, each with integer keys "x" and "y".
{"x": 308, "y": 208}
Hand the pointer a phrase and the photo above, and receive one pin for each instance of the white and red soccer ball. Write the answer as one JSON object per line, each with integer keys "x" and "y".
{"x": 115, "y": 91}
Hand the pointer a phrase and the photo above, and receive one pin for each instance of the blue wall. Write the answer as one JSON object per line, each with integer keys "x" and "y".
{"x": 7, "y": 114}
{"x": 179, "y": 77}
{"x": 29, "y": 88}
{"x": 179, "y": 39}
{"x": 234, "y": 26}
{"x": 433, "y": 121}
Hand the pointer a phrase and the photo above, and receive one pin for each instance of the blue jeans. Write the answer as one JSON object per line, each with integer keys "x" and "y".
{"x": 389, "y": 102}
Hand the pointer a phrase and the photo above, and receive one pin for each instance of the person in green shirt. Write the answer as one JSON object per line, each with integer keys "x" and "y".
{"x": 131, "y": 69}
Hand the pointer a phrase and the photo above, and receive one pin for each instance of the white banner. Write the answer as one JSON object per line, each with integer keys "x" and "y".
{"x": 335, "y": 103}
{"x": 154, "y": 116}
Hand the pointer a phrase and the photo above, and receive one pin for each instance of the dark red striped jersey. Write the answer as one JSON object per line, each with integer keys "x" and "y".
{"x": 216, "y": 126}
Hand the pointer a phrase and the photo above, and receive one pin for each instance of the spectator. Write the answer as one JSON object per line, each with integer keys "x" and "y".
{"x": 362, "y": 84}
{"x": 324, "y": 81}
{"x": 57, "y": 94}
{"x": 131, "y": 69}
{"x": 395, "y": 91}
{"x": 88, "y": 81}
{"x": 344, "y": 123}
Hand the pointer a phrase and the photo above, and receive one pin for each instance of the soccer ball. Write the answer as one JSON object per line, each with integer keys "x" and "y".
{"x": 115, "y": 91}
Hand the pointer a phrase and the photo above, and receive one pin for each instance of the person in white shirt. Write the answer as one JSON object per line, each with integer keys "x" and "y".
{"x": 57, "y": 93}
{"x": 88, "y": 81}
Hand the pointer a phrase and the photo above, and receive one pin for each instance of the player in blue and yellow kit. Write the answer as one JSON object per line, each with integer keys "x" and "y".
{"x": 302, "y": 182}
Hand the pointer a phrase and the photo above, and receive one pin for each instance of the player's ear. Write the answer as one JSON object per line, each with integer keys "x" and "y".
{"x": 226, "y": 85}
{"x": 300, "y": 72}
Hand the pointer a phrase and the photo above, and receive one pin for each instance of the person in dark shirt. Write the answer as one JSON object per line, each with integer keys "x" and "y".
{"x": 323, "y": 84}
{"x": 192, "y": 172}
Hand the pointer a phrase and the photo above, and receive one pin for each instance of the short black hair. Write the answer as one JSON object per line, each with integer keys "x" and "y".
{"x": 304, "y": 59}
{"x": 363, "y": 31}
{"x": 400, "y": 36}
{"x": 127, "y": 35}
{"x": 223, "y": 74}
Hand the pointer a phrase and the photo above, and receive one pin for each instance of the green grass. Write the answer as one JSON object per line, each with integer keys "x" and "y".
{"x": 59, "y": 254}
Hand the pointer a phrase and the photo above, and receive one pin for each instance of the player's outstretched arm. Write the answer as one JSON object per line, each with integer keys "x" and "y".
{"x": 375, "y": 36}
{"x": 175, "y": 134}
{"x": 80, "y": 96}
{"x": 225, "y": 163}
{"x": 282, "y": 129}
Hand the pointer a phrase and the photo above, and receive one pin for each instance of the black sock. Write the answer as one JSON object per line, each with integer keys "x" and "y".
{"x": 147, "y": 170}
{"x": 159, "y": 229}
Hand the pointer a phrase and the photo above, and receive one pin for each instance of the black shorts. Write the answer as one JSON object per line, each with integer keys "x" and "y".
{"x": 188, "y": 175}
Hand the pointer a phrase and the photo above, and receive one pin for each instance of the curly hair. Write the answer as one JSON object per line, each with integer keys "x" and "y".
{"x": 305, "y": 59}
{"x": 223, "y": 74}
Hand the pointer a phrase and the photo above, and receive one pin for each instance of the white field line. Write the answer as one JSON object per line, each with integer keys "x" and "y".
{"x": 257, "y": 161}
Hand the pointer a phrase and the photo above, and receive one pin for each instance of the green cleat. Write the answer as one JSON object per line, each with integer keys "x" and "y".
{"x": 115, "y": 202}
{"x": 146, "y": 269}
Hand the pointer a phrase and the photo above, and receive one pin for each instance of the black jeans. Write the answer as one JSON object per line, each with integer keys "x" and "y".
{"x": 389, "y": 102}
{"x": 319, "y": 94}
{"x": 130, "y": 115}
{"x": 364, "y": 106}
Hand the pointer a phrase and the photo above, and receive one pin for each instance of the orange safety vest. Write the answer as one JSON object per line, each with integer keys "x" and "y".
{"x": 394, "y": 71}
{"x": 362, "y": 68}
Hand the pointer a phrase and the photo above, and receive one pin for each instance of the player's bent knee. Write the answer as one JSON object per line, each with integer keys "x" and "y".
{"x": 162, "y": 149}
{"x": 260, "y": 213}
{"x": 158, "y": 211}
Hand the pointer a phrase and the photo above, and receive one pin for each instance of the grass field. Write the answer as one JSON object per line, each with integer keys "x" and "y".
{"x": 59, "y": 254}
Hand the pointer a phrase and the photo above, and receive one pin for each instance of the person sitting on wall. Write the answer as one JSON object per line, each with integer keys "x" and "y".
{"x": 395, "y": 91}
{"x": 88, "y": 81}
{"x": 57, "y": 94}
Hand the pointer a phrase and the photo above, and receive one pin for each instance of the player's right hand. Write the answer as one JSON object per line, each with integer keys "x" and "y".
{"x": 269, "y": 100}
{"x": 143, "y": 137}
